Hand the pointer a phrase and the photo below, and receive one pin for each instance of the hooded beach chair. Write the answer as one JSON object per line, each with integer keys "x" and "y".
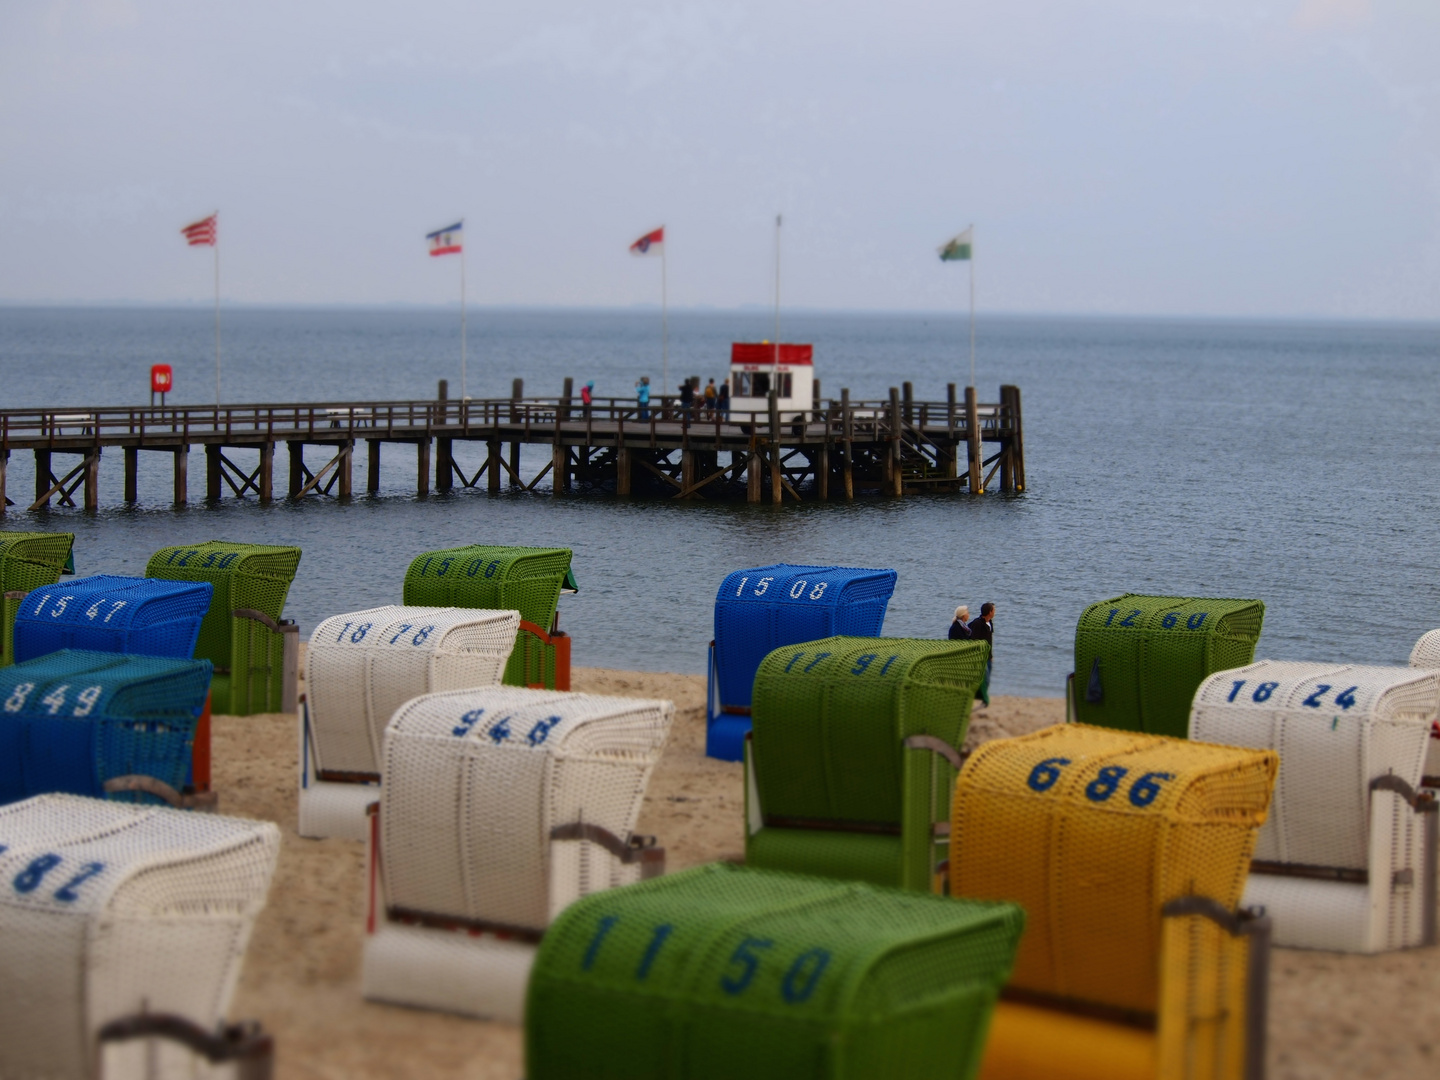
{"x": 854, "y": 753}
{"x": 255, "y": 650}
{"x": 1129, "y": 854}
{"x": 109, "y": 613}
{"x": 1426, "y": 654}
{"x": 106, "y": 725}
{"x": 362, "y": 666}
{"x": 724, "y": 971}
{"x": 119, "y": 926}
{"x": 524, "y": 579}
{"x": 1347, "y": 859}
{"x": 1138, "y": 659}
{"x": 499, "y": 807}
{"x": 767, "y": 607}
{"x": 28, "y": 561}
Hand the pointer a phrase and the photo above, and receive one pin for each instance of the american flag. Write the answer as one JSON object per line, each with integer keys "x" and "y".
{"x": 202, "y": 233}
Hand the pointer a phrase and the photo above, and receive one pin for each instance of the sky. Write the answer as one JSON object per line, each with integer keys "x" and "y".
{"x": 1117, "y": 157}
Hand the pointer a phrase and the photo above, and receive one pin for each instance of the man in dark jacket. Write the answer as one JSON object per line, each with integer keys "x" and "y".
{"x": 982, "y": 630}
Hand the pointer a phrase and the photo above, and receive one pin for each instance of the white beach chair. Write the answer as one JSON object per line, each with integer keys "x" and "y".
{"x": 499, "y": 808}
{"x": 1426, "y": 654}
{"x": 114, "y": 915}
{"x": 1347, "y": 859}
{"x": 362, "y": 666}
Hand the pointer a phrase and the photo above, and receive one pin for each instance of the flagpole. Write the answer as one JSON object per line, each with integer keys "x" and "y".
{"x": 462, "y": 311}
{"x": 217, "y": 308}
{"x": 971, "y": 261}
{"x": 775, "y": 375}
{"x": 664, "y": 318}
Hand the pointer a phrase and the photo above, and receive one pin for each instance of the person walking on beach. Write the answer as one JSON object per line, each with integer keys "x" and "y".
{"x": 982, "y": 629}
{"x": 642, "y": 396}
{"x": 960, "y": 628}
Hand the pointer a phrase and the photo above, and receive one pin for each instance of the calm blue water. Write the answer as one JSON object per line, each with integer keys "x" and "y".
{"x": 1295, "y": 463}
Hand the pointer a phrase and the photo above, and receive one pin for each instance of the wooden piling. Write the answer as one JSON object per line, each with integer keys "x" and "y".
{"x": 895, "y": 481}
{"x": 559, "y": 468}
{"x": 565, "y": 397}
{"x": 752, "y": 477}
{"x": 1017, "y": 440}
{"x": 776, "y": 491}
{"x": 951, "y": 452}
{"x": 4, "y": 465}
{"x": 422, "y": 467}
{"x": 687, "y": 469}
{"x": 622, "y": 470}
{"x": 346, "y": 456}
{"x": 212, "y": 472}
{"x": 92, "y": 480}
{"x": 847, "y": 422}
{"x": 181, "y": 494}
{"x": 493, "y": 451}
{"x": 822, "y": 471}
{"x": 973, "y": 445}
{"x": 908, "y": 390}
{"x": 444, "y": 465}
{"x": 42, "y": 478}
{"x": 297, "y": 467}
{"x": 372, "y": 467}
{"x": 267, "y": 472}
{"x": 132, "y": 474}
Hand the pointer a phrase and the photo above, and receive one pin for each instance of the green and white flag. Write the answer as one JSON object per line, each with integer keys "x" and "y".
{"x": 958, "y": 249}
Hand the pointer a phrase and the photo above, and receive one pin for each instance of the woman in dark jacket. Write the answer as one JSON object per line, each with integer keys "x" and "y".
{"x": 960, "y": 628}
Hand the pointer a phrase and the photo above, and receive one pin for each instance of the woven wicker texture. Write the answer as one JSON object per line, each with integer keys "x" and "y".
{"x": 1138, "y": 659}
{"x": 363, "y": 665}
{"x": 725, "y": 972}
{"x": 71, "y": 720}
{"x": 523, "y": 579}
{"x": 1093, "y": 831}
{"x": 768, "y": 607}
{"x": 249, "y": 656}
{"x": 831, "y": 717}
{"x": 106, "y": 910}
{"x": 476, "y": 779}
{"x": 1426, "y": 653}
{"x": 27, "y": 561}
{"x": 1336, "y": 728}
{"x": 108, "y": 613}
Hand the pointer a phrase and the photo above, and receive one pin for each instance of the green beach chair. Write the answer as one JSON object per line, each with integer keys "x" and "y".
{"x": 853, "y": 756}
{"x": 27, "y": 561}
{"x": 723, "y": 971}
{"x": 523, "y": 579}
{"x": 255, "y": 652}
{"x": 1139, "y": 659}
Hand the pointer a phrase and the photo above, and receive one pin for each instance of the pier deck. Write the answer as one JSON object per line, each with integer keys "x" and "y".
{"x": 890, "y": 447}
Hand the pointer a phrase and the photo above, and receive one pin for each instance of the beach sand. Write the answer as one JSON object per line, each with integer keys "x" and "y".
{"x": 1331, "y": 1016}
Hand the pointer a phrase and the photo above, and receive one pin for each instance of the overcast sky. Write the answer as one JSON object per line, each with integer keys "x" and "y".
{"x": 1116, "y": 156}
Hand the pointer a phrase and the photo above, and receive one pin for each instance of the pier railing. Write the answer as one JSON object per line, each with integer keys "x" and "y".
{"x": 537, "y": 417}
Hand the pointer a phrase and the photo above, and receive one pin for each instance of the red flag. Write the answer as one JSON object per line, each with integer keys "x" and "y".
{"x": 202, "y": 233}
{"x": 649, "y": 244}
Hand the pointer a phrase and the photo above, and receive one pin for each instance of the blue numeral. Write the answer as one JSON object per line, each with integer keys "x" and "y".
{"x": 1043, "y": 776}
{"x": 28, "y": 880}
{"x": 818, "y": 658}
{"x": 792, "y": 661}
{"x": 887, "y": 664}
{"x": 1235, "y": 689}
{"x": 862, "y": 663}
{"x": 67, "y": 892}
{"x": 1110, "y": 618}
{"x": 662, "y": 932}
{"x": 1129, "y": 620}
{"x": 467, "y": 722}
{"x": 501, "y": 731}
{"x": 1104, "y": 785}
{"x": 403, "y": 628}
{"x": 541, "y": 731}
{"x": 1314, "y": 699}
{"x": 1194, "y": 622}
{"x": 795, "y": 992}
{"x": 1346, "y": 698}
{"x": 744, "y": 955}
{"x": 1263, "y": 691}
{"x": 1171, "y": 618}
{"x": 606, "y": 924}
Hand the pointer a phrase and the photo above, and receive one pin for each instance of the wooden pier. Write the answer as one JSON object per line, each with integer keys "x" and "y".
{"x": 846, "y": 448}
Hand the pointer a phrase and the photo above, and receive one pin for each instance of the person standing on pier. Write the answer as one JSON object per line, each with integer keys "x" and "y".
{"x": 642, "y": 396}
{"x": 587, "y": 396}
{"x": 722, "y": 400}
{"x": 687, "y": 397}
{"x": 710, "y": 398}
{"x": 982, "y": 629}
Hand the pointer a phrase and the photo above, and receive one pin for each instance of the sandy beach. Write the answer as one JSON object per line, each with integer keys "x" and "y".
{"x": 1331, "y": 1016}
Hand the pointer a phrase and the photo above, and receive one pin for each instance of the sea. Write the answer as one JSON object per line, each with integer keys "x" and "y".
{"x": 1294, "y": 462}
